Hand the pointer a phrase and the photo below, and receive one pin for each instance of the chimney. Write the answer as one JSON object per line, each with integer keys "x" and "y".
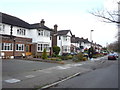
{"x": 55, "y": 28}
{"x": 73, "y": 35}
{"x": 42, "y": 22}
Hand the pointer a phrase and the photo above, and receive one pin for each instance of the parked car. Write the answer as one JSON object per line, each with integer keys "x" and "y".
{"x": 112, "y": 56}
{"x": 116, "y": 54}
{"x": 73, "y": 53}
{"x": 85, "y": 55}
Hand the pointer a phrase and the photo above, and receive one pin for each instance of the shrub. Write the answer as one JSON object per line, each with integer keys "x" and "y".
{"x": 79, "y": 56}
{"x": 58, "y": 59}
{"x": 56, "y": 50}
{"x": 70, "y": 56}
{"x": 84, "y": 59}
{"x": 64, "y": 57}
{"x": 44, "y": 54}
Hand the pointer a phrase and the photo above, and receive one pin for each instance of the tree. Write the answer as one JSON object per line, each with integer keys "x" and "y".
{"x": 44, "y": 54}
{"x": 110, "y": 17}
{"x": 56, "y": 50}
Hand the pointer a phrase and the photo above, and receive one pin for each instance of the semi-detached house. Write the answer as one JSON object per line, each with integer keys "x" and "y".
{"x": 21, "y": 38}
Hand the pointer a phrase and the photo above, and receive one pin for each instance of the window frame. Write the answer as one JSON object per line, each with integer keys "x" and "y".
{"x": 20, "y": 47}
{"x": 42, "y": 46}
{"x": 7, "y": 47}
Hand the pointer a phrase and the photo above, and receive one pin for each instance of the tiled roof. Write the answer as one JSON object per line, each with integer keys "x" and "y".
{"x": 37, "y": 26}
{"x": 12, "y": 20}
{"x": 63, "y": 32}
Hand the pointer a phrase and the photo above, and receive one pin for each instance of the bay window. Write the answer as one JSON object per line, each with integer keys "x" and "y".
{"x": 7, "y": 46}
{"x": 41, "y": 47}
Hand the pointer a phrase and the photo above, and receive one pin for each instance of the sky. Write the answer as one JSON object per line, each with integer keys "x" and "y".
{"x": 67, "y": 14}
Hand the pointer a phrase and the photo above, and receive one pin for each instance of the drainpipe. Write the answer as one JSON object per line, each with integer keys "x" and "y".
{"x": 13, "y": 39}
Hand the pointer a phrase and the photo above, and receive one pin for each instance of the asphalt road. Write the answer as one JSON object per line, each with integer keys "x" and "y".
{"x": 105, "y": 77}
{"x": 12, "y": 67}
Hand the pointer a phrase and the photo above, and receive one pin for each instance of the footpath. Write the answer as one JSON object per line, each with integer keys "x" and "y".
{"x": 46, "y": 78}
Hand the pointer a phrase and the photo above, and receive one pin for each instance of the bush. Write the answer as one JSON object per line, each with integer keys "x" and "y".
{"x": 44, "y": 54}
{"x": 84, "y": 59}
{"x": 64, "y": 57}
{"x": 70, "y": 56}
{"x": 56, "y": 50}
{"x": 79, "y": 56}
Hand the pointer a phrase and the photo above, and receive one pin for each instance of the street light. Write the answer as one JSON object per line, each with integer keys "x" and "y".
{"x": 91, "y": 36}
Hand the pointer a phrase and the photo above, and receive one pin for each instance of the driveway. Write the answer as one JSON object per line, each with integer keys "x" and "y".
{"x": 11, "y": 67}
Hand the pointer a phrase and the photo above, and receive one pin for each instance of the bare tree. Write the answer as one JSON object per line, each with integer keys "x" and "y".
{"x": 110, "y": 17}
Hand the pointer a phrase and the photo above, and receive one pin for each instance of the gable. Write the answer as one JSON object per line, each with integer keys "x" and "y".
{"x": 69, "y": 34}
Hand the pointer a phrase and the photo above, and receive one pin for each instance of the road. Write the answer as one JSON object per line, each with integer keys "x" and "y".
{"x": 12, "y": 67}
{"x": 105, "y": 77}
{"x": 22, "y": 73}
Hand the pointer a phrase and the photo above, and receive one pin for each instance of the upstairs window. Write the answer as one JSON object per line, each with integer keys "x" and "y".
{"x": 40, "y": 32}
{"x": 2, "y": 27}
{"x": 65, "y": 38}
{"x": 21, "y": 31}
{"x": 47, "y": 33}
{"x": 59, "y": 38}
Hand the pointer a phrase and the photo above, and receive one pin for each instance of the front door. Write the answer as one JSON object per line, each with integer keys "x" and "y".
{"x": 28, "y": 50}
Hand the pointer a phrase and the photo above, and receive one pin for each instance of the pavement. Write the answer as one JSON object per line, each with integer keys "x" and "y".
{"x": 47, "y": 77}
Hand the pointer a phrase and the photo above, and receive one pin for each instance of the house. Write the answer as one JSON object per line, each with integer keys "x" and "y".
{"x": 21, "y": 38}
{"x": 77, "y": 44}
{"x": 62, "y": 38}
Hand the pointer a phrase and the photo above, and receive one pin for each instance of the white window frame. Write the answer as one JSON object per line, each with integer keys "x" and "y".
{"x": 2, "y": 27}
{"x": 40, "y": 32}
{"x": 21, "y": 31}
{"x": 7, "y": 47}
{"x": 66, "y": 48}
{"x": 20, "y": 47}
{"x": 44, "y": 45}
{"x": 65, "y": 38}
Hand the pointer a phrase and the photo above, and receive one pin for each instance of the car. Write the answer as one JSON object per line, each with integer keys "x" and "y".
{"x": 112, "y": 56}
{"x": 85, "y": 55}
{"x": 73, "y": 53}
{"x": 116, "y": 54}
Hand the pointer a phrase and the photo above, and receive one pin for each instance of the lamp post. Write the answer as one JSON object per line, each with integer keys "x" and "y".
{"x": 91, "y": 36}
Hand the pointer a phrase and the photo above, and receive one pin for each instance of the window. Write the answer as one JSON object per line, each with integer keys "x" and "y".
{"x": 7, "y": 46}
{"x": 21, "y": 31}
{"x": 59, "y": 38}
{"x": 65, "y": 38}
{"x": 40, "y": 32}
{"x": 2, "y": 27}
{"x": 19, "y": 47}
{"x": 66, "y": 48}
{"x": 47, "y": 33}
{"x": 41, "y": 47}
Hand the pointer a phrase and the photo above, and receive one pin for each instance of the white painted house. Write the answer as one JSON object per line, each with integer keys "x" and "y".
{"x": 64, "y": 41}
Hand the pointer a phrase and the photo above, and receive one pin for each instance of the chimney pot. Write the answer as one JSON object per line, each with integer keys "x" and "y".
{"x": 42, "y": 22}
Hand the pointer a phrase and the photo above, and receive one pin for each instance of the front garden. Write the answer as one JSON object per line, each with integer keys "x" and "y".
{"x": 55, "y": 58}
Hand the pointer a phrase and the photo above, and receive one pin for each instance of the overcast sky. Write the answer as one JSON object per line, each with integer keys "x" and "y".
{"x": 67, "y": 14}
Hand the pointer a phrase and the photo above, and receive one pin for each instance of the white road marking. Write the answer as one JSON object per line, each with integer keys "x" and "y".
{"x": 29, "y": 76}
{"x": 63, "y": 67}
{"x": 12, "y": 80}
